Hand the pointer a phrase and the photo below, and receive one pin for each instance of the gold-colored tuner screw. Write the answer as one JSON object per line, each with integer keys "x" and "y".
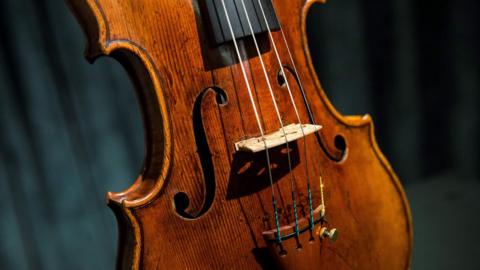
{"x": 330, "y": 234}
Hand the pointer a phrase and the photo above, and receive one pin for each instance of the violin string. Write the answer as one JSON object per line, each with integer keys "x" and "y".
{"x": 296, "y": 74}
{"x": 304, "y": 96}
{"x": 292, "y": 179}
{"x": 262, "y": 134}
{"x": 282, "y": 70}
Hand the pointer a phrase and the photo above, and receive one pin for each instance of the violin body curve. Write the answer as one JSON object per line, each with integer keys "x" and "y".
{"x": 200, "y": 204}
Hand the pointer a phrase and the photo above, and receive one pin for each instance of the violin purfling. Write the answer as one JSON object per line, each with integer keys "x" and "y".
{"x": 247, "y": 163}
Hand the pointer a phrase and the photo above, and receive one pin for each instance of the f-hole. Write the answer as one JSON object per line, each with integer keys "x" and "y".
{"x": 181, "y": 199}
{"x": 339, "y": 141}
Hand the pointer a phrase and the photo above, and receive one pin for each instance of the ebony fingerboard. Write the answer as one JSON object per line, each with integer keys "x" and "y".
{"x": 220, "y": 30}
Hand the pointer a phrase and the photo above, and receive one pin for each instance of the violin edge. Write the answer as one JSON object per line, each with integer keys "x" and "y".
{"x": 137, "y": 63}
{"x": 356, "y": 121}
{"x": 95, "y": 26}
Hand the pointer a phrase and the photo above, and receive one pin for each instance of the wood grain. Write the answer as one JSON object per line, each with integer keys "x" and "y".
{"x": 163, "y": 45}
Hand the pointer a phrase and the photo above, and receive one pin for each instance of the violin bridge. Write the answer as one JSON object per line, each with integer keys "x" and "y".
{"x": 292, "y": 132}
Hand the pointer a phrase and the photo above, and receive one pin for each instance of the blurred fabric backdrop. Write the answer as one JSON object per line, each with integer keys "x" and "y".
{"x": 70, "y": 131}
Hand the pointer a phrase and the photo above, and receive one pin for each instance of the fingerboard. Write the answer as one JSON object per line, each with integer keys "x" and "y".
{"x": 219, "y": 25}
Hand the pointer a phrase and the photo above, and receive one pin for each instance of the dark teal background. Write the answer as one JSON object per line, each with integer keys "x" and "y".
{"x": 70, "y": 131}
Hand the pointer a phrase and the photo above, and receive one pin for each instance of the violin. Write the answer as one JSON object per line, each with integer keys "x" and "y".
{"x": 247, "y": 163}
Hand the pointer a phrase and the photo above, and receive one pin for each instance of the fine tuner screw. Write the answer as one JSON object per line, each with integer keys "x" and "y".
{"x": 330, "y": 234}
{"x": 322, "y": 212}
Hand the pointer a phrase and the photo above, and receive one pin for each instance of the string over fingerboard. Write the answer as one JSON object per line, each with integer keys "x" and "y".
{"x": 218, "y": 22}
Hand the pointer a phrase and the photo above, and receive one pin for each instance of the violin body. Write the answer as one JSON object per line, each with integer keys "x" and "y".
{"x": 199, "y": 202}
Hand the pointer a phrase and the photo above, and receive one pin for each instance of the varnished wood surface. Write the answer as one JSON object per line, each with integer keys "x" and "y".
{"x": 161, "y": 43}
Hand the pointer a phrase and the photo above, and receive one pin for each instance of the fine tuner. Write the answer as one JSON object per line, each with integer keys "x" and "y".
{"x": 323, "y": 232}
{"x": 332, "y": 234}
